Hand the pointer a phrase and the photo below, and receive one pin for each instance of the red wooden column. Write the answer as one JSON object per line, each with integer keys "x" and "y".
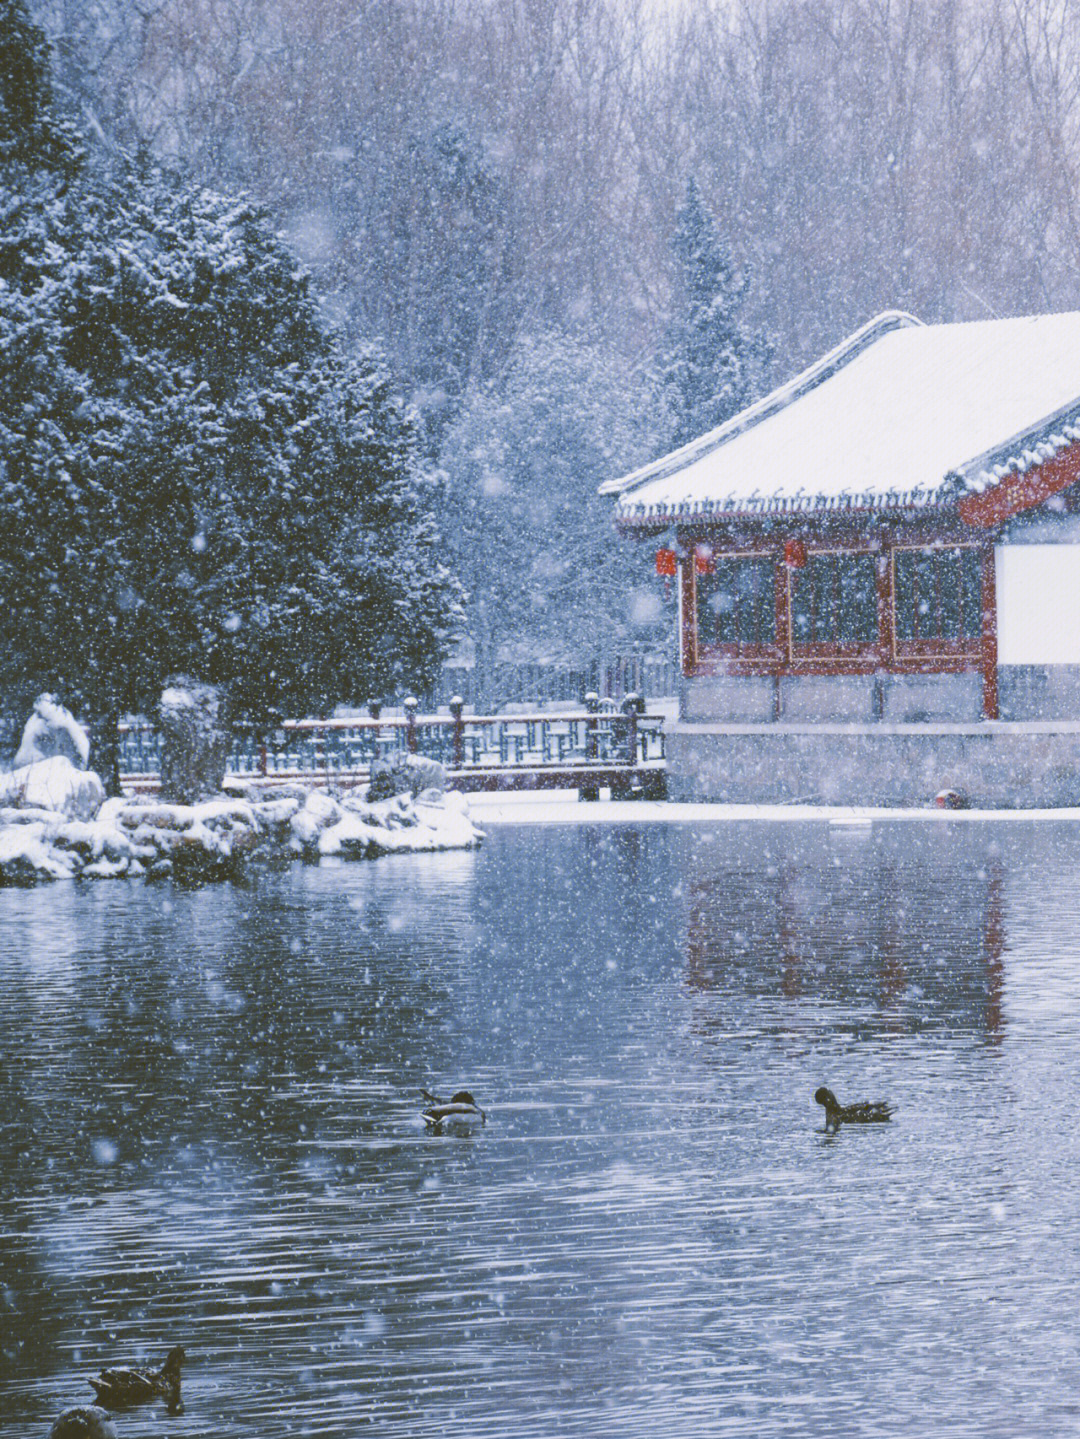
{"x": 688, "y": 635}
{"x": 886, "y": 618}
{"x": 886, "y": 604}
{"x": 988, "y": 658}
{"x": 791, "y": 558}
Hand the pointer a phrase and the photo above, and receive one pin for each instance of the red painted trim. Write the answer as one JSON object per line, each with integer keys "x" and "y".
{"x": 1016, "y": 493}
{"x": 713, "y": 664}
{"x": 989, "y": 635}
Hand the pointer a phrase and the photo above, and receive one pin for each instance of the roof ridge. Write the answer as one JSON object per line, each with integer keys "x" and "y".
{"x": 769, "y": 404}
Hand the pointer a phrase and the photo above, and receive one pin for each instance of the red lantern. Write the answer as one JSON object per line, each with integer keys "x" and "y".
{"x": 794, "y": 554}
{"x": 703, "y": 561}
{"x": 667, "y": 563}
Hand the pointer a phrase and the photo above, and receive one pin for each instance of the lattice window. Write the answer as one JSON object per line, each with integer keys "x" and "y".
{"x": 834, "y": 600}
{"x": 938, "y": 594}
{"x": 736, "y": 602}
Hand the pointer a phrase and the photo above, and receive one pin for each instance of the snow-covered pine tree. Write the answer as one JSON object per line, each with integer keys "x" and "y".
{"x": 338, "y": 592}
{"x": 710, "y": 364}
{"x": 193, "y": 476}
{"x": 439, "y": 282}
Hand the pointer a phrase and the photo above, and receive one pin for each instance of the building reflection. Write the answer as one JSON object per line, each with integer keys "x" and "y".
{"x": 909, "y": 927}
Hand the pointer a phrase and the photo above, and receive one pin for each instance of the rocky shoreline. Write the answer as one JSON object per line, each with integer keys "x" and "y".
{"x": 56, "y": 824}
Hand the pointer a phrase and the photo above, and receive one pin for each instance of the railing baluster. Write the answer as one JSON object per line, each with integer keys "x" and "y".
{"x": 326, "y": 751}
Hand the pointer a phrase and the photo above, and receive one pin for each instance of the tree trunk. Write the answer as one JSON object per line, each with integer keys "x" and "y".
{"x": 105, "y": 749}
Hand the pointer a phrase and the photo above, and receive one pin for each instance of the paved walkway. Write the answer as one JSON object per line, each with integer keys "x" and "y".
{"x": 563, "y": 807}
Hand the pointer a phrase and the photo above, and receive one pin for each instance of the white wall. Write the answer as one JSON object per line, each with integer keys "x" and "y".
{"x": 1038, "y": 603}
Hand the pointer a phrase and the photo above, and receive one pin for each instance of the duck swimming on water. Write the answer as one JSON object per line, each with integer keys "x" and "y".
{"x": 867, "y": 1111}
{"x": 120, "y": 1388}
{"x": 461, "y": 1108}
{"x": 86, "y": 1422}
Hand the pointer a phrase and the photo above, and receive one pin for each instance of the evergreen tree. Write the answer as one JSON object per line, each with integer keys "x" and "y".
{"x": 194, "y": 476}
{"x": 31, "y": 132}
{"x": 435, "y": 282}
{"x": 711, "y": 364}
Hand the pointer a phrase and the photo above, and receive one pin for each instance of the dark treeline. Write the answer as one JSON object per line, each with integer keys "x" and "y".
{"x": 494, "y": 191}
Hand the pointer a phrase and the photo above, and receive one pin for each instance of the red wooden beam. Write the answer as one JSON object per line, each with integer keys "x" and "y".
{"x": 1017, "y": 493}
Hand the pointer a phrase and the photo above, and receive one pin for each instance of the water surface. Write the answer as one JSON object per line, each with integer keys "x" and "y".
{"x": 209, "y": 1105}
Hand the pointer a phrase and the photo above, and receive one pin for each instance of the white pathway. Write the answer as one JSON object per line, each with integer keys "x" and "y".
{"x": 563, "y": 807}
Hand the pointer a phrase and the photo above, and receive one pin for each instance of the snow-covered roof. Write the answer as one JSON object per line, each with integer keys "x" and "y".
{"x": 900, "y": 416}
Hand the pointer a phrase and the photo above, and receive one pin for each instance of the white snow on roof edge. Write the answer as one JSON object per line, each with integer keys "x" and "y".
{"x": 776, "y": 400}
{"x": 901, "y": 417}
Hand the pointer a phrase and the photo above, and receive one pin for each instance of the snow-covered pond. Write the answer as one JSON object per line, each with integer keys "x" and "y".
{"x": 209, "y": 1103}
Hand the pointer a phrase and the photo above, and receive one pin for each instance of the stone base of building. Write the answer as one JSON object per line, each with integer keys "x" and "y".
{"x": 995, "y": 764}
{"x": 1025, "y": 692}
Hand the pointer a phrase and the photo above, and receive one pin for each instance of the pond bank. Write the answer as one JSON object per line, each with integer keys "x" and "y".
{"x": 54, "y": 824}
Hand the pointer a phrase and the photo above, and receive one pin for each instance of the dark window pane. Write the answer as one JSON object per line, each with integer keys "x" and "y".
{"x": 834, "y": 600}
{"x": 925, "y": 595}
{"x": 970, "y": 594}
{"x": 736, "y": 603}
{"x": 938, "y": 594}
{"x": 905, "y": 595}
{"x": 858, "y": 599}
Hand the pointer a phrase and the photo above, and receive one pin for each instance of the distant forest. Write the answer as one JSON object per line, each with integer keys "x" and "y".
{"x": 491, "y": 191}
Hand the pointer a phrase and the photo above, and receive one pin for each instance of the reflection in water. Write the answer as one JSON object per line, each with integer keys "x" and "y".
{"x": 894, "y": 921}
{"x": 210, "y": 1135}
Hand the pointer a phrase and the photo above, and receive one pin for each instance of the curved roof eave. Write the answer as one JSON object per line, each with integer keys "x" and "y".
{"x": 770, "y": 404}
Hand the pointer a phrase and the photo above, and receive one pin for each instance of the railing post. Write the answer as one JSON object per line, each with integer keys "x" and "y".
{"x": 262, "y": 758}
{"x": 592, "y": 726}
{"x": 457, "y": 705}
{"x": 632, "y": 706}
{"x": 411, "y": 703}
{"x": 374, "y": 709}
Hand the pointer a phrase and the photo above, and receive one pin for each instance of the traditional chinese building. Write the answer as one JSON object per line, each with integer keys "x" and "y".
{"x": 878, "y": 572}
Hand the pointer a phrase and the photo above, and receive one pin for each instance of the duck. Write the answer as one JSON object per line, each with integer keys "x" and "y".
{"x": 120, "y": 1388}
{"x": 85, "y": 1422}
{"x": 460, "y": 1108}
{"x": 866, "y": 1111}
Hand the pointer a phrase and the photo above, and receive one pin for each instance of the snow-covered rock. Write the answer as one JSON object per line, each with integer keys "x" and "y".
{"x": 84, "y": 835}
{"x": 407, "y": 774}
{"x": 54, "y": 785}
{"x": 26, "y": 856}
{"x": 196, "y": 741}
{"x": 52, "y": 730}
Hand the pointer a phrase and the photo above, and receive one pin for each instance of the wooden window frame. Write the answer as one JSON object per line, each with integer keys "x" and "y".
{"x": 820, "y": 652}
{"x": 887, "y": 655}
{"x": 939, "y": 647}
{"x": 730, "y": 658}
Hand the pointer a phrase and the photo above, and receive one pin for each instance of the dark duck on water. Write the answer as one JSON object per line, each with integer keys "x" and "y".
{"x": 867, "y": 1111}
{"x": 87, "y": 1422}
{"x": 461, "y": 1109}
{"x": 120, "y": 1388}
